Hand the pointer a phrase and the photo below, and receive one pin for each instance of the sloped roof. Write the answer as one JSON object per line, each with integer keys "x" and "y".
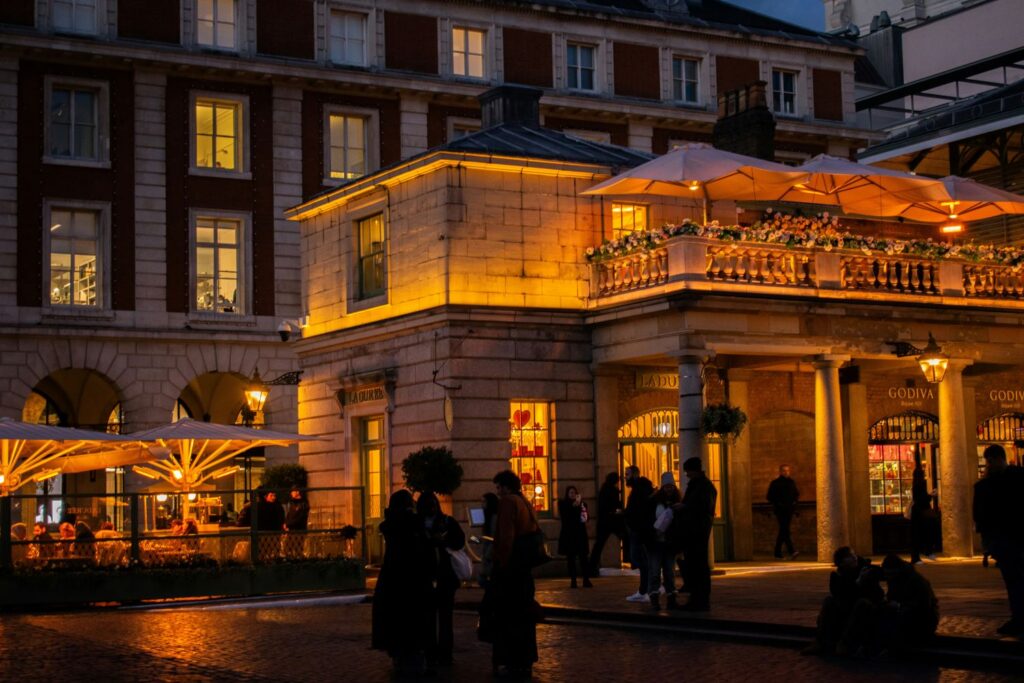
{"x": 535, "y": 142}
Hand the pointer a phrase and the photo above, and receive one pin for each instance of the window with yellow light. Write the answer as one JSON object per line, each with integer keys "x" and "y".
{"x": 530, "y": 444}
{"x": 628, "y": 218}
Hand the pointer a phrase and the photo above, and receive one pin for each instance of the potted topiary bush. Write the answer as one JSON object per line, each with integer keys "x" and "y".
{"x": 722, "y": 420}
{"x": 432, "y": 469}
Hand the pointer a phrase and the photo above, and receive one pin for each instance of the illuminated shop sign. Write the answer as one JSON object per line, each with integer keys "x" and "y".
{"x": 648, "y": 381}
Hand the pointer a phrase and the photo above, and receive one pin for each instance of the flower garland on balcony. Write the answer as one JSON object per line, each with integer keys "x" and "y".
{"x": 807, "y": 232}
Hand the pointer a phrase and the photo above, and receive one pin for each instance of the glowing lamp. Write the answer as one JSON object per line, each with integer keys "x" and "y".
{"x": 538, "y": 490}
{"x": 161, "y": 497}
{"x": 3, "y": 478}
{"x": 952, "y": 209}
{"x": 933, "y": 361}
{"x": 951, "y": 228}
{"x": 694, "y": 185}
{"x": 177, "y": 475}
{"x": 256, "y": 392}
{"x": 191, "y": 497}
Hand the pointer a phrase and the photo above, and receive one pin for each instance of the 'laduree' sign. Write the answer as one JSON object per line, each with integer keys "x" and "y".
{"x": 651, "y": 381}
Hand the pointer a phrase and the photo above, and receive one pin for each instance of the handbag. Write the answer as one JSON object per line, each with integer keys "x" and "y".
{"x": 461, "y": 564}
{"x": 664, "y": 520}
{"x": 532, "y": 547}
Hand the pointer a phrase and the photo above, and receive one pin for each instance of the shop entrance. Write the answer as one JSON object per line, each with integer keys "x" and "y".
{"x": 651, "y": 442}
{"x": 895, "y": 446}
{"x": 1006, "y": 430}
{"x": 374, "y": 461}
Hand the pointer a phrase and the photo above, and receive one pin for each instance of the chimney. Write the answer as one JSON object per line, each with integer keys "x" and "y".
{"x": 516, "y": 104}
{"x": 745, "y": 124}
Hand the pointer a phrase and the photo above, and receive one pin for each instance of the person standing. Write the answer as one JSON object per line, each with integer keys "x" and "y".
{"x": 784, "y": 495}
{"x": 609, "y": 519}
{"x": 572, "y": 539}
{"x": 662, "y": 550}
{"x": 296, "y": 521}
{"x": 998, "y": 509}
{"x": 515, "y": 620}
{"x": 270, "y": 522}
{"x": 639, "y": 517}
{"x": 922, "y": 518}
{"x": 698, "y": 513}
{"x": 443, "y": 534}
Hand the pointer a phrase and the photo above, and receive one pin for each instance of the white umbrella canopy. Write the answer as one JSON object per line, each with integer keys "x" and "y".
{"x": 34, "y": 452}
{"x": 952, "y": 198}
{"x": 204, "y": 450}
{"x": 832, "y": 181}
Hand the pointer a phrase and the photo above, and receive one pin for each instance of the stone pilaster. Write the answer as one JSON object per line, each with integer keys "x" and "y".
{"x": 955, "y": 487}
{"x": 833, "y": 529}
{"x": 606, "y": 444}
{"x": 741, "y": 516}
{"x": 855, "y": 447}
{"x": 691, "y": 405}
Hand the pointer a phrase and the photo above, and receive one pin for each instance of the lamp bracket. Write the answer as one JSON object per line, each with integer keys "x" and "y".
{"x": 289, "y": 378}
{"x": 903, "y": 349}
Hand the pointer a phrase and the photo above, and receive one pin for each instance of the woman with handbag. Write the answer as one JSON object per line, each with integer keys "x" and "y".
{"x": 518, "y": 547}
{"x": 662, "y": 550}
{"x": 572, "y": 540}
{"x": 445, "y": 538}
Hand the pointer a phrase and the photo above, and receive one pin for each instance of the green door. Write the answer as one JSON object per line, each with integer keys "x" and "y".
{"x": 373, "y": 457}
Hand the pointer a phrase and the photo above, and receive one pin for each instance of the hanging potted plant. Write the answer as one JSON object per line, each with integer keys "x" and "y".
{"x": 722, "y": 420}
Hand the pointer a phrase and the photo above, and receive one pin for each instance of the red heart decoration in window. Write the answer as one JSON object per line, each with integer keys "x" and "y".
{"x": 526, "y": 478}
{"x": 521, "y": 418}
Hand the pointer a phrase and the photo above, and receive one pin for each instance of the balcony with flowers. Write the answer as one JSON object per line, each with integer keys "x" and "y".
{"x": 806, "y": 256}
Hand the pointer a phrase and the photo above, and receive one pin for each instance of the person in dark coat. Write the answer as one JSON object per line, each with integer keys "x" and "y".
{"x": 922, "y": 518}
{"x": 269, "y": 513}
{"x": 609, "y": 519}
{"x": 663, "y": 548}
{"x": 910, "y": 615}
{"x": 639, "y": 518}
{"x": 784, "y": 495}
{"x": 515, "y": 615}
{"x": 697, "y": 513}
{"x": 404, "y": 592}
{"x": 998, "y": 510}
{"x": 854, "y": 581}
{"x": 572, "y": 539}
{"x": 443, "y": 533}
{"x": 296, "y": 521}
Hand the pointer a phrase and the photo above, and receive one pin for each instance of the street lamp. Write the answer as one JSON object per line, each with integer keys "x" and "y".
{"x": 256, "y": 393}
{"x": 932, "y": 360}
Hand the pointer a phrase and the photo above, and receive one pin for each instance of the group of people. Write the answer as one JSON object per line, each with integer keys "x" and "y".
{"x": 75, "y": 539}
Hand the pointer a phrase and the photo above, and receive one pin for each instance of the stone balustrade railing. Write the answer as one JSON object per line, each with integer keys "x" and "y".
{"x": 699, "y": 263}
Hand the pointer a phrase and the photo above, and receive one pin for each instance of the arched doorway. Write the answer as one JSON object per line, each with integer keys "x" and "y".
{"x": 651, "y": 442}
{"x": 1006, "y": 430}
{"x": 896, "y": 444}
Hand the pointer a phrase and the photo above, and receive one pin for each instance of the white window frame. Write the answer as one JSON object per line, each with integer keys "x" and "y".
{"x": 454, "y": 122}
{"x": 245, "y": 263}
{"x": 99, "y": 18}
{"x": 367, "y": 35}
{"x": 672, "y": 79}
{"x": 797, "y": 78}
{"x": 620, "y": 204}
{"x": 596, "y": 46}
{"x": 372, "y": 118}
{"x": 237, "y": 22}
{"x": 102, "y": 89}
{"x": 102, "y": 252}
{"x": 242, "y": 152}
{"x": 356, "y": 302}
{"x": 484, "y": 60}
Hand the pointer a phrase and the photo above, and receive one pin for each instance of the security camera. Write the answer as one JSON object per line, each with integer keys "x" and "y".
{"x": 284, "y": 330}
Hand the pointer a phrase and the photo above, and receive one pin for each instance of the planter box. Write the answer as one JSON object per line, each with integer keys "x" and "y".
{"x": 132, "y": 585}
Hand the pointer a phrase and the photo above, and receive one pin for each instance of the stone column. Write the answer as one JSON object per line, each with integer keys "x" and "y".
{"x": 691, "y": 406}
{"x": 829, "y": 461}
{"x": 955, "y": 487}
{"x": 855, "y": 447}
{"x": 741, "y": 513}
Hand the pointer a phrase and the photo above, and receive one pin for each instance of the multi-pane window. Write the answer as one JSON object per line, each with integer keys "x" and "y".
{"x": 685, "y": 80}
{"x": 75, "y": 272}
{"x": 468, "y": 52}
{"x": 74, "y": 126}
{"x": 218, "y": 264}
{"x": 530, "y": 439}
{"x": 218, "y": 139}
{"x": 215, "y": 24}
{"x": 784, "y": 92}
{"x": 579, "y": 62}
{"x": 372, "y": 256}
{"x": 76, "y": 16}
{"x": 461, "y": 130}
{"x": 348, "y": 147}
{"x": 628, "y": 218}
{"x": 347, "y": 38}
{"x": 373, "y": 447}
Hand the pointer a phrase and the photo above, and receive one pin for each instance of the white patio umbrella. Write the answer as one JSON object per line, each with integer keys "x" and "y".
{"x": 36, "y": 452}
{"x": 703, "y": 172}
{"x": 950, "y": 199}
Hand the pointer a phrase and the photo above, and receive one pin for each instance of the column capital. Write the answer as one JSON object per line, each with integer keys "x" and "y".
{"x": 691, "y": 355}
{"x": 829, "y": 360}
{"x": 958, "y": 365}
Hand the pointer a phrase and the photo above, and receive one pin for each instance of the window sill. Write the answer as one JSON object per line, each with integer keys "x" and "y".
{"x": 696, "y": 106}
{"x": 83, "y": 163}
{"x": 214, "y": 173}
{"x": 200, "y": 319}
{"x": 213, "y": 49}
{"x": 357, "y": 305}
{"x": 71, "y": 313}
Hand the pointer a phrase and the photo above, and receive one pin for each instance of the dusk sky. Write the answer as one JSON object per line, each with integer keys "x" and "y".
{"x": 809, "y": 13}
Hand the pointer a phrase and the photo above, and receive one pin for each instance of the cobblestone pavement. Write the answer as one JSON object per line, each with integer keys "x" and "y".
{"x": 329, "y": 643}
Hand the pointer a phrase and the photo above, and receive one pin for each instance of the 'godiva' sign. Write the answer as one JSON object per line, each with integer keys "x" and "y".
{"x": 363, "y": 395}
{"x": 649, "y": 381}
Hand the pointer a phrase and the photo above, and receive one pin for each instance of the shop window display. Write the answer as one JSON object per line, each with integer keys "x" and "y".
{"x": 530, "y": 444}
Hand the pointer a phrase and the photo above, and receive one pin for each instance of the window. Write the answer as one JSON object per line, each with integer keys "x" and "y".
{"x": 468, "y": 52}
{"x": 219, "y": 134}
{"x": 579, "y": 61}
{"x": 75, "y": 263}
{"x": 372, "y": 256}
{"x": 628, "y": 218}
{"x": 460, "y": 127}
{"x": 215, "y": 24}
{"x": 685, "y": 80}
{"x": 348, "y": 143}
{"x": 73, "y": 124}
{"x": 530, "y": 438}
{"x": 373, "y": 448}
{"x": 347, "y": 38}
{"x": 75, "y": 16}
{"x": 218, "y": 265}
{"x": 784, "y": 92}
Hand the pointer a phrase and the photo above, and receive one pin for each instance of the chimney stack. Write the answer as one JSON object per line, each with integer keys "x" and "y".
{"x": 516, "y": 104}
{"x": 745, "y": 124}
